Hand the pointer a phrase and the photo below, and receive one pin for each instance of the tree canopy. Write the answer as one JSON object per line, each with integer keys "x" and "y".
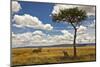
{"x": 71, "y": 15}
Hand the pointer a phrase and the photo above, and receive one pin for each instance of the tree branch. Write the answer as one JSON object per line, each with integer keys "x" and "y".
{"x": 73, "y": 26}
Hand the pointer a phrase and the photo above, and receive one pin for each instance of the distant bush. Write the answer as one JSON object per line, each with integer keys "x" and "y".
{"x": 37, "y": 50}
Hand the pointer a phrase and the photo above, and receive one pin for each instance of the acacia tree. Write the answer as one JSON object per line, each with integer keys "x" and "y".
{"x": 74, "y": 16}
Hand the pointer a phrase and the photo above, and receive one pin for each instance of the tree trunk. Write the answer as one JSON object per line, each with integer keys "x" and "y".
{"x": 74, "y": 43}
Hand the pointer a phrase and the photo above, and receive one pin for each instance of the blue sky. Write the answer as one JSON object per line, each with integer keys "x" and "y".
{"x": 42, "y": 11}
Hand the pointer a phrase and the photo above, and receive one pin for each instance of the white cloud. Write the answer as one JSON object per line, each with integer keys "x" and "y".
{"x": 38, "y": 38}
{"x": 15, "y": 6}
{"x": 48, "y": 27}
{"x": 81, "y": 29}
{"x": 85, "y": 38}
{"x": 24, "y": 36}
{"x": 84, "y": 34}
{"x": 93, "y": 25}
{"x": 21, "y": 39}
{"x": 89, "y": 9}
{"x": 27, "y": 37}
{"x": 38, "y": 33}
{"x": 66, "y": 33}
{"x": 19, "y": 26}
{"x": 58, "y": 7}
{"x": 27, "y": 20}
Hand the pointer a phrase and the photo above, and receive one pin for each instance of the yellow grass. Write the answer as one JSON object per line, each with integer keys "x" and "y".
{"x": 25, "y": 56}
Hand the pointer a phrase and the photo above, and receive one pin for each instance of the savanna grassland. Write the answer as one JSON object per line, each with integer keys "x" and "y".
{"x": 27, "y": 56}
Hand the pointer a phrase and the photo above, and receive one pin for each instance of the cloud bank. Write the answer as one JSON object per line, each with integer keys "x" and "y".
{"x": 39, "y": 38}
{"x": 15, "y": 6}
{"x": 27, "y": 20}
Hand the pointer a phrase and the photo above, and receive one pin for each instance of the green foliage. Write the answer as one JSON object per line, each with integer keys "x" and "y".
{"x": 71, "y": 15}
